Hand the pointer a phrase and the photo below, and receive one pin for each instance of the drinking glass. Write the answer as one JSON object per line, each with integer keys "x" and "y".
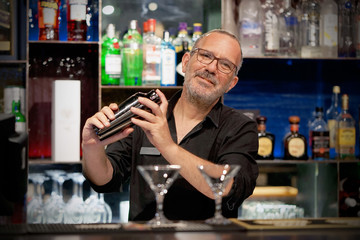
{"x": 75, "y": 207}
{"x": 218, "y": 177}
{"x": 159, "y": 178}
{"x": 96, "y": 209}
{"x": 35, "y": 207}
{"x": 54, "y": 207}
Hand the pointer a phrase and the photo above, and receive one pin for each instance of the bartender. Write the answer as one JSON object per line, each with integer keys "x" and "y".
{"x": 192, "y": 128}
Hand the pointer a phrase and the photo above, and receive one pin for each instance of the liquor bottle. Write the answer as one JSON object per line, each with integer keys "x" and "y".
{"x": 310, "y": 29}
{"x": 168, "y": 61}
{"x": 196, "y": 34}
{"x": 271, "y": 29}
{"x": 181, "y": 37}
{"x": 295, "y": 144}
{"x": 319, "y": 139}
{"x": 152, "y": 56}
{"x": 250, "y": 27}
{"x": 110, "y": 58}
{"x": 266, "y": 140}
{"x": 329, "y": 28}
{"x": 288, "y": 31}
{"x": 346, "y": 44}
{"x": 20, "y": 123}
{"x": 76, "y": 20}
{"x": 345, "y": 132}
{"x": 48, "y": 19}
{"x": 179, "y": 74}
{"x": 132, "y": 56}
{"x": 331, "y": 114}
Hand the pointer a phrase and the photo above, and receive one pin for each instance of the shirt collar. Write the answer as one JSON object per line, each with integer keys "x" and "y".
{"x": 213, "y": 115}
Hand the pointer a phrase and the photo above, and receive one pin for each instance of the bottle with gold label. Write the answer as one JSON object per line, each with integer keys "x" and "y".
{"x": 331, "y": 115}
{"x": 295, "y": 144}
{"x": 345, "y": 132}
{"x": 266, "y": 140}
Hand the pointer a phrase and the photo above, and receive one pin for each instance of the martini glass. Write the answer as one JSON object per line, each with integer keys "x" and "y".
{"x": 159, "y": 178}
{"x": 75, "y": 207}
{"x": 218, "y": 177}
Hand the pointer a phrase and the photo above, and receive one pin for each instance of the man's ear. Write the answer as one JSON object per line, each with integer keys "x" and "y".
{"x": 234, "y": 81}
{"x": 185, "y": 60}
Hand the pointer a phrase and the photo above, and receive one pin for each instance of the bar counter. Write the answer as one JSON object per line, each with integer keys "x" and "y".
{"x": 289, "y": 229}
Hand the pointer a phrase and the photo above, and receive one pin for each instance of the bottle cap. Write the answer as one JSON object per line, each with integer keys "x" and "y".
{"x": 145, "y": 26}
{"x": 166, "y": 36}
{"x": 319, "y": 109}
{"x": 133, "y": 24}
{"x": 261, "y": 119}
{"x": 294, "y": 119}
{"x": 110, "y": 31}
{"x": 182, "y": 26}
{"x": 336, "y": 89}
{"x": 197, "y": 27}
{"x": 152, "y": 24}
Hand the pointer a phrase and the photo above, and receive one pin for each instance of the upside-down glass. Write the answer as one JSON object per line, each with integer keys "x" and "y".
{"x": 96, "y": 209}
{"x": 218, "y": 177}
{"x": 35, "y": 207}
{"x": 54, "y": 206}
{"x": 75, "y": 207}
{"x": 159, "y": 178}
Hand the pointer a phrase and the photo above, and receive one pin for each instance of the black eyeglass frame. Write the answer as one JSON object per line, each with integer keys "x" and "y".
{"x": 214, "y": 58}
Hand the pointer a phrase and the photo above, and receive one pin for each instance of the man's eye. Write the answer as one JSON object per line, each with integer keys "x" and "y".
{"x": 206, "y": 55}
{"x": 225, "y": 64}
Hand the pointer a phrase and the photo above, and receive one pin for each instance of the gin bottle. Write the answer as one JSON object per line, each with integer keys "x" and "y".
{"x": 152, "y": 56}
{"x": 345, "y": 132}
{"x": 132, "y": 56}
{"x": 168, "y": 61}
{"x": 289, "y": 31}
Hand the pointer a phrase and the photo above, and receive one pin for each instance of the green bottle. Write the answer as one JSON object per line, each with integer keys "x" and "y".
{"x": 110, "y": 58}
{"x": 20, "y": 125}
{"x": 132, "y": 56}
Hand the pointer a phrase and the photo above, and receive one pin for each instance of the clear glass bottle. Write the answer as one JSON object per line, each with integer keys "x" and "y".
{"x": 331, "y": 114}
{"x": 76, "y": 20}
{"x": 181, "y": 37}
{"x": 310, "y": 29}
{"x": 271, "y": 29}
{"x": 319, "y": 139}
{"x": 345, "y": 132}
{"x": 266, "y": 140}
{"x": 152, "y": 56}
{"x": 329, "y": 28}
{"x": 250, "y": 27}
{"x": 346, "y": 44}
{"x": 132, "y": 56}
{"x": 168, "y": 61}
{"x": 288, "y": 31}
{"x": 295, "y": 144}
{"x": 110, "y": 58}
{"x": 48, "y": 19}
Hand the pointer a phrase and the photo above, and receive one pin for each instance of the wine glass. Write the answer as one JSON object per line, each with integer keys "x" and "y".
{"x": 75, "y": 207}
{"x": 96, "y": 209}
{"x": 35, "y": 207}
{"x": 54, "y": 206}
{"x": 159, "y": 178}
{"x": 218, "y": 177}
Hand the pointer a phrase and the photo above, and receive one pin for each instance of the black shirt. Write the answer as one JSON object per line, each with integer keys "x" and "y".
{"x": 225, "y": 136}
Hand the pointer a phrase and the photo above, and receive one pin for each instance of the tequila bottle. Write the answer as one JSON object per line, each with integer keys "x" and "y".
{"x": 319, "y": 139}
{"x": 295, "y": 144}
{"x": 266, "y": 140}
{"x": 331, "y": 114}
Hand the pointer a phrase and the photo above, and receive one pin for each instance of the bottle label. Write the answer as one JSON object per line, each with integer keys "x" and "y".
{"x": 113, "y": 64}
{"x": 168, "y": 67}
{"x": 346, "y": 137}
{"x": 265, "y": 146}
{"x": 271, "y": 31}
{"x": 332, "y": 132}
{"x": 152, "y": 54}
{"x": 77, "y": 9}
{"x": 296, "y": 147}
{"x": 330, "y": 30}
{"x": 320, "y": 143}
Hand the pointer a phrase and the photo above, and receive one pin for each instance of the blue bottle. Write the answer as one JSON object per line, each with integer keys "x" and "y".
{"x": 168, "y": 62}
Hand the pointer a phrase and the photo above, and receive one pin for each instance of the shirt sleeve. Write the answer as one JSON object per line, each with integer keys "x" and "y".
{"x": 240, "y": 146}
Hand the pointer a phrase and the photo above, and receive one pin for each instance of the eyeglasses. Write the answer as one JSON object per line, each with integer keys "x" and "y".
{"x": 207, "y": 57}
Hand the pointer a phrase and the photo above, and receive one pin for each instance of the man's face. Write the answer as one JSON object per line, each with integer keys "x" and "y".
{"x": 204, "y": 82}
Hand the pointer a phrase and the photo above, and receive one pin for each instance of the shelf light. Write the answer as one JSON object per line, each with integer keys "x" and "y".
{"x": 108, "y": 10}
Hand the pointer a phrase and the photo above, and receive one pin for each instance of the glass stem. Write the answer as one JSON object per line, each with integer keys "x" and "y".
{"x": 159, "y": 206}
{"x": 218, "y": 200}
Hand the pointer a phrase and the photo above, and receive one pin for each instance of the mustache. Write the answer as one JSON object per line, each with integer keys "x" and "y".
{"x": 206, "y": 74}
